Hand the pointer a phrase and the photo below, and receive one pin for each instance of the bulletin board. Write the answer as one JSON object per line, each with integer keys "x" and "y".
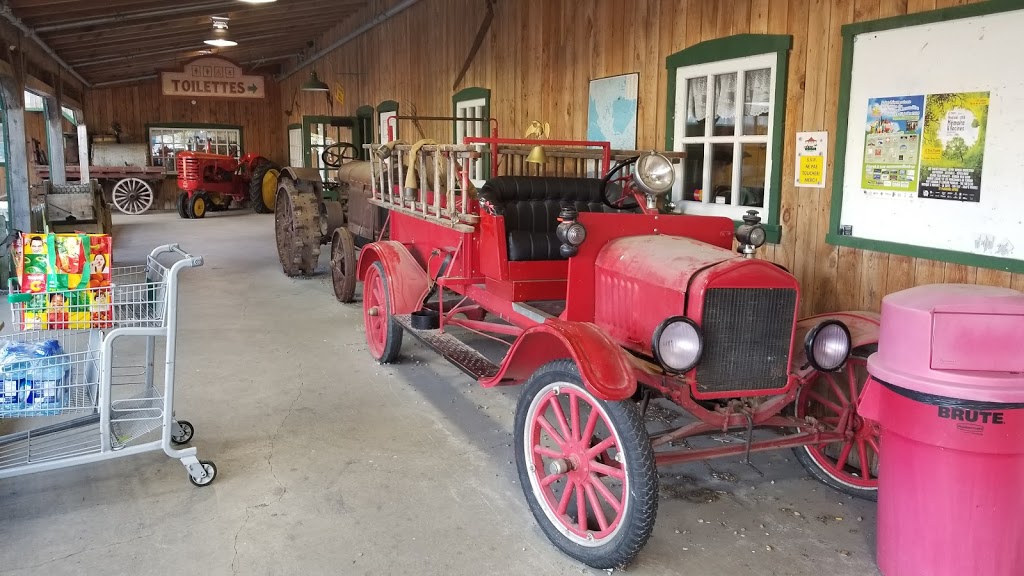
{"x": 930, "y": 137}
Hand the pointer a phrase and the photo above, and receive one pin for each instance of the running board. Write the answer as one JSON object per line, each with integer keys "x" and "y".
{"x": 452, "y": 349}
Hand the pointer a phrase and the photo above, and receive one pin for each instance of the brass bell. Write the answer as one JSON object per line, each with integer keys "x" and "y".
{"x": 537, "y": 155}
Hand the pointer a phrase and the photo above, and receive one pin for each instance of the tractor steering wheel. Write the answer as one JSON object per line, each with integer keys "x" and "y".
{"x": 336, "y": 154}
{"x": 624, "y": 182}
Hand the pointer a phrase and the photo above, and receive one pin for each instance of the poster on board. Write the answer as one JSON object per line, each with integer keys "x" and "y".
{"x": 953, "y": 146}
{"x": 892, "y": 142}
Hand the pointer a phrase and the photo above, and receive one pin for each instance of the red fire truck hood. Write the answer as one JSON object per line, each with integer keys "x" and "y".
{"x": 666, "y": 261}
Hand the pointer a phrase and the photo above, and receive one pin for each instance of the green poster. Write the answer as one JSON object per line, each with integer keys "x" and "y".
{"x": 891, "y": 143}
{"x": 953, "y": 146}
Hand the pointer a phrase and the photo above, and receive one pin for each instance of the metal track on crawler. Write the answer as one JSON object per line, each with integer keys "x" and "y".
{"x": 452, "y": 349}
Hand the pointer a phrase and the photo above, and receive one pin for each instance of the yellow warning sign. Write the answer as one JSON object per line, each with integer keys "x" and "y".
{"x": 812, "y": 171}
{"x": 811, "y": 159}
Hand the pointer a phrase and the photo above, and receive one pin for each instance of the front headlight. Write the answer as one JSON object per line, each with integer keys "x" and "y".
{"x": 677, "y": 344}
{"x": 654, "y": 173}
{"x": 828, "y": 345}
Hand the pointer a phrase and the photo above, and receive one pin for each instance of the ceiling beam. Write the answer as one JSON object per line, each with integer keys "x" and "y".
{"x": 139, "y": 15}
{"x": 5, "y": 10}
{"x": 365, "y": 27}
{"x": 154, "y": 76}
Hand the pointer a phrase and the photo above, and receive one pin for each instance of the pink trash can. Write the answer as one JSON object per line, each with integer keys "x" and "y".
{"x": 947, "y": 390}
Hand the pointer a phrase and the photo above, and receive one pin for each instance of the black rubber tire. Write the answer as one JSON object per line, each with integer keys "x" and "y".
{"x": 393, "y": 340}
{"x": 188, "y": 431}
{"x": 211, "y": 469}
{"x": 194, "y": 201}
{"x": 814, "y": 469}
{"x": 343, "y": 265}
{"x": 641, "y": 473}
{"x": 256, "y": 186}
{"x": 182, "y": 205}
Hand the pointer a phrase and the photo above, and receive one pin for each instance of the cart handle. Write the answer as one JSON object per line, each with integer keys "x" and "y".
{"x": 193, "y": 261}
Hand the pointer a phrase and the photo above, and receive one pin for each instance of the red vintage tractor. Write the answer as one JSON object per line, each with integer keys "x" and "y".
{"x": 604, "y": 299}
{"x": 212, "y": 182}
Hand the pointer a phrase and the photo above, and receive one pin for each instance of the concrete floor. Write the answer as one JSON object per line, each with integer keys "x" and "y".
{"x": 331, "y": 464}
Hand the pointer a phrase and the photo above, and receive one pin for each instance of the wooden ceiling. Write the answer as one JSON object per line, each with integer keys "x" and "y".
{"x": 117, "y": 40}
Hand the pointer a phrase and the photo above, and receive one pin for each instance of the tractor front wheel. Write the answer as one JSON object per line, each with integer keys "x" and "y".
{"x": 197, "y": 205}
{"x": 183, "y": 201}
{"x": 263, "y": 187}
{"x": 343, "y": 265}
{"x": 586, "y": 467}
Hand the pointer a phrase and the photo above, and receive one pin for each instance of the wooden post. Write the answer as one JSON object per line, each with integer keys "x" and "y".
{"x": 18, "y": 198}
{"x": 55, "y": 139}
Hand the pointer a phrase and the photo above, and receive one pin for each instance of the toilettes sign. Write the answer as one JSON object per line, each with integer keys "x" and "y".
{"x": 210, "y": 77}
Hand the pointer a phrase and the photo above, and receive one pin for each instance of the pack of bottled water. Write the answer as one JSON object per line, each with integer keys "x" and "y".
{"x": 35, "y": 377}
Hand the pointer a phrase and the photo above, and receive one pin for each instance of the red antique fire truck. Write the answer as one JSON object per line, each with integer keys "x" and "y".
{"x": 606, "y": 299}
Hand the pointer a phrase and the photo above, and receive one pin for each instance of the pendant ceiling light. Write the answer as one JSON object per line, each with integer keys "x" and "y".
{"x": 258, "y": 1}
{"x": 219, "y": 35}
{"x": 314, "y": 84}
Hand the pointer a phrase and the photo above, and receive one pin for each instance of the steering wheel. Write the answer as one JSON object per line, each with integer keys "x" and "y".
{"x": 336, "y": 154}
{"x": 623, "y": 181}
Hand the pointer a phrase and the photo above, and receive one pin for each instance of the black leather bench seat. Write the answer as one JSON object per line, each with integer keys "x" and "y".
{"x": 530, "y": 206}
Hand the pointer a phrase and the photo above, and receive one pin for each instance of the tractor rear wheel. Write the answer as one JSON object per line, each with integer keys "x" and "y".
{"x": 183, "y": 205}
{"x": 197, "y": 205}
{"x": 263, "y": 187}
{"x": 297, "y": 227}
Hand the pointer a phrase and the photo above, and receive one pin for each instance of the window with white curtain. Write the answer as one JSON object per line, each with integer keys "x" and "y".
{"x": 724, "y": 122}
{"x": 165, "y": 141}
{"x": 295, "y": 146}
{"x": 475, "y": 124}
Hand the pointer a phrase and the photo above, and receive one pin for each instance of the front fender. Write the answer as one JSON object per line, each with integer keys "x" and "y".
{"x": 604, "y": 367}
{"x": 407, "y": 281}
{"x": 863, "y": 330}
{"x": 296, "y": 173}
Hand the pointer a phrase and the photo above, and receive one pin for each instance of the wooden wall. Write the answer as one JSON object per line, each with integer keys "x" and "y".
{"x": 135, "y": 106}
{"x": 539, "y": 56}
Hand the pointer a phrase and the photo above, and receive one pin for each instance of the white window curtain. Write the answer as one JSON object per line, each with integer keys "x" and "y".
{"x": 757, "y": 89}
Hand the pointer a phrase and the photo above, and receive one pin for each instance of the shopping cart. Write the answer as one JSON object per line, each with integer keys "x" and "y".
{"x": 108, "y": 401}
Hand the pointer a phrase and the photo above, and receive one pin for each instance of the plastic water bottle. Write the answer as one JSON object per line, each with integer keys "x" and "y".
{"x": 15, "y": 363}
{"x": 47, "y": 375}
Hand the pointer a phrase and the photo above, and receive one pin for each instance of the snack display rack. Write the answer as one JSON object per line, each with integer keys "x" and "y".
{"x": 109, "y": 401}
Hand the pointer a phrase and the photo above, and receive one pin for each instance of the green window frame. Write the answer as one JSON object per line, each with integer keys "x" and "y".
{"x": 471, "y": 103}
{"x": 736, "y": 63}
{"x": 364, "y": 119}
{"x": 385, "y": 109}
{"x": 166, "y": 139}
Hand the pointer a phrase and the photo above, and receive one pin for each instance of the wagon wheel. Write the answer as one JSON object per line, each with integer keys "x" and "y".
{"x": 586, "y": 467}
{"x": 343, "y": 265}
{"x": 850, "y": 466}
{"x": 296, "y": 227}
{"x": 383, "y": 333}
{"x": 132, "y": 195}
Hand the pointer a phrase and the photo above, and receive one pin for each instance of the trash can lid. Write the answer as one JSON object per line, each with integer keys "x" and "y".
{"x": 955, "y": 340}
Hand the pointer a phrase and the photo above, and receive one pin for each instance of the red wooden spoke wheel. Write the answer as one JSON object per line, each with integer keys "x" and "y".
{"x": 850, "y": 466}
{"x": 383, "y": 334}
{"x": 586, "y": 467}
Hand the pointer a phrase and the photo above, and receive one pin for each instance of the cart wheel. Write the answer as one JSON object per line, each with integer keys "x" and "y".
{"x": 197, "y": 206}
{"x": 343, "y": 265}
{"x": 183, "y": 205}
{"x": 184, "y": 432}
{"x": 383, "y": 333}
{"x": 586, "y": 467}
{"x": 132, "y": 195}
{"x": 211, "y": 474}
{"x": 851, "y": 466}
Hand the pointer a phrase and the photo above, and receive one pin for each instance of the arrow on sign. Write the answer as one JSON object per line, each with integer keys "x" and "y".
{"x": 252, "y": 88}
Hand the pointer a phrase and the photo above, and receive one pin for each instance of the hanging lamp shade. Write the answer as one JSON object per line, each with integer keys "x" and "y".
{"x": 219, "y": 35}
{"x": 314, "y": 84}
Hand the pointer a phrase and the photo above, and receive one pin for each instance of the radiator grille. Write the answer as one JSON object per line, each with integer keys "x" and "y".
{"x": 747, "y": 335}
{"x": 187, "y": 168}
